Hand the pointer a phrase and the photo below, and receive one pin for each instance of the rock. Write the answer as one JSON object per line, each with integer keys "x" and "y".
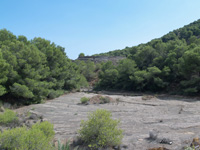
{"x": 153, "y": 134}
{"x": 21, "y": 121}
{"x": 1, "y": 129}
{"x": 116, "y": 147}
{"x": 40, "y": 116}
{"x": 166, "y": 141}
{"x": 2, "y": 109}
{"x": 7, "y": 105}
{"x": 33, "y": 117}
{"x": 27, "y": 123}
{"x": 42, "y": 120}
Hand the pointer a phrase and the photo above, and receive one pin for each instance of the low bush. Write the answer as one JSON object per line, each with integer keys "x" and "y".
{"x": 8, "y": 116}
{"x": 189, "y": 148}
{"x": 84, "y": 100}
{"x": 99, "y": 99}
{"x": 36, "y": 138}
{"x": 100, "y": 130}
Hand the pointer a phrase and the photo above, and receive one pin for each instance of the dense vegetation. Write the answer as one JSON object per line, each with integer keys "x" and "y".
{"x": 31, "y": 71}
{"x": 170, "y": 63}
{"x": 38, "y": 137}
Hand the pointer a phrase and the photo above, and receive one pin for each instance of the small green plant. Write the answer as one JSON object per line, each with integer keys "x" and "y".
{"x": 100, "y": 130}
{"x": 22, "y": 138}
{"x": 8, "y": 116}
{"x": 189, "y": 148}
{"x": 63, "y": 146}
{"x": 84, "y": 100}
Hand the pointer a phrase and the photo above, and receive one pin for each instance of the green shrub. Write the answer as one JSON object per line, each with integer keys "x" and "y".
{"x": 84, "y": 100}
{"x": 8, "y": 116}
{"x": 13, "y": 138}
{"x": 36, "y": 138}
{"x": 46, "y": 128}
{"x": 100, "y": 130}
{"x": 189, "y": 148}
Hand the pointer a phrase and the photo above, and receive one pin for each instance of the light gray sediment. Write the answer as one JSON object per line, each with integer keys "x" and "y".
{"x": 174, "y": 119}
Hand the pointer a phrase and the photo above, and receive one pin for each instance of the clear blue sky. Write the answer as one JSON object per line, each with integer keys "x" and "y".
{"x": 95, "y": 26}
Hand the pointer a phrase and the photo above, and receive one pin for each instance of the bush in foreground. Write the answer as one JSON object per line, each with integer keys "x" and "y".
{"x": 36, "y": 138}
{"x": 100, "y": 130}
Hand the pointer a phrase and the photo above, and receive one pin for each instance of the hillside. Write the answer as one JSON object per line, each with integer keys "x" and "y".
{"x": 170, "y": 64}
{"x": 189, "y": 33}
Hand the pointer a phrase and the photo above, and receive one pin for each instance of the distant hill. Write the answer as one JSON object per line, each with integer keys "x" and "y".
{"x": 189, "y": 33}
{"x": 168, "y": 64}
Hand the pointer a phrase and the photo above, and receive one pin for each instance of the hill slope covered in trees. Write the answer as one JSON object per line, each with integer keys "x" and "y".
{"x": 31, "y": 71}
{"x": 170, "y": 63}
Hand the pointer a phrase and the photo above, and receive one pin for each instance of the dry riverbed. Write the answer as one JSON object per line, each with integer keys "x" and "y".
{"x": 175, "y": 119}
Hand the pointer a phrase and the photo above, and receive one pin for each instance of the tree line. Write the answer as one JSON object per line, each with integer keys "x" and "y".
{"x": 170, "y": 64}
{"x": 31, "y": 71}
{"x": 37, "y": 69}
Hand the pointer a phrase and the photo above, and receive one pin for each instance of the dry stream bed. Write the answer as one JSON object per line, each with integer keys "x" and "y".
{"x": 177, "y": 119}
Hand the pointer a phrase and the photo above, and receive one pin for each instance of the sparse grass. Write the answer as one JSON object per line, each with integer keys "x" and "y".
{"x": 63, "y": 146}
{"x": 8, "y": 116}
{"x": 104, "y": 100}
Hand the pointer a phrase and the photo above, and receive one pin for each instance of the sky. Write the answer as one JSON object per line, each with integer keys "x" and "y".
{"x": 96, "y": 26}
